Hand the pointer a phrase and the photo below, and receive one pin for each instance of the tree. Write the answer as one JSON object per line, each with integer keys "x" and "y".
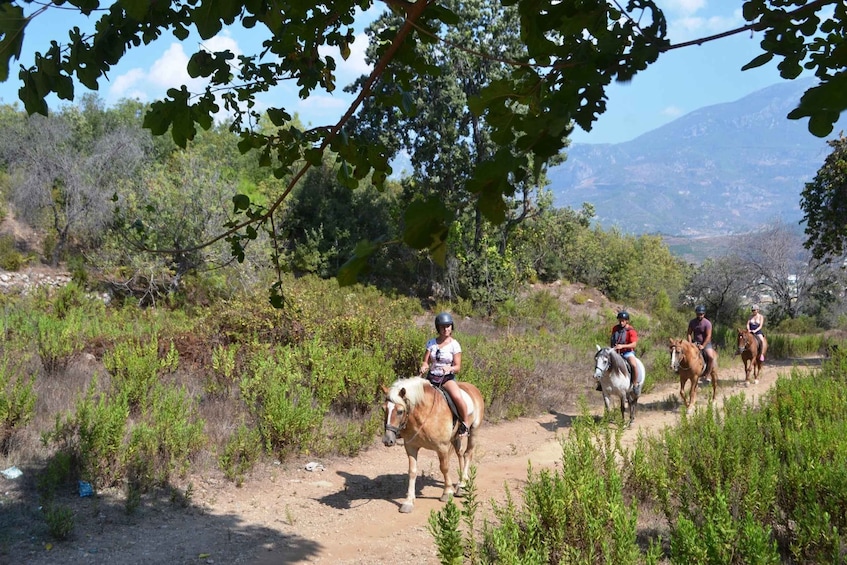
{"x": 782, "y": 269}
{"x": 446, "y": 141}
{"x": 824, "y": 203}
{"x": 573, "y": 51}
{"x": 720, "y": 284}
{"x": 65, "y": 168}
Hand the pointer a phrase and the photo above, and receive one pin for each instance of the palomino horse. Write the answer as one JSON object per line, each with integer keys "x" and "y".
{"x": 417, "y": 412}
{"x": 687, "y": 361}
{"x": 610, "y": 368}
{"x": 748, "y": 347}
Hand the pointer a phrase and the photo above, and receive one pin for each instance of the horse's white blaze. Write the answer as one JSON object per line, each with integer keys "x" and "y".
{"x": 390, "y": 410}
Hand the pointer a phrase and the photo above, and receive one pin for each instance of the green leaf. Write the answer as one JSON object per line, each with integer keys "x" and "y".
{"x": 240, "y": 202}
{"x": 758, "y": 61}
{"x": 137, "y": 9}
{"x": 349, "y": 272}
{"x": 313, "y": 156}
{"x": 278, "y": 116}
{"x": 12, "y": 26}
{"x": 426, "y": 224}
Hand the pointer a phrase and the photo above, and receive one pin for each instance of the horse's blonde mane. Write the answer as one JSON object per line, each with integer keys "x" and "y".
{"x": 414, "y": 391}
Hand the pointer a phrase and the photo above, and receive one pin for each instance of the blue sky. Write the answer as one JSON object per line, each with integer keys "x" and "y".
{"x": 679, "y": 82}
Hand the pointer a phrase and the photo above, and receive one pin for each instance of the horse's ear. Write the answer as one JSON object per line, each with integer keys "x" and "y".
{"x": 402, "y": 393}
{"x": 598, "y": 347}
{"x": 384, "y": 388}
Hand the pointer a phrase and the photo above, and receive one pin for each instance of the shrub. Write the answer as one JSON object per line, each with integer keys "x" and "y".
{"x": 17, "y": 401}
{"x": 240, "y": 454}
{"x": 10, "y": 258}
{"x": 94, "y": 435}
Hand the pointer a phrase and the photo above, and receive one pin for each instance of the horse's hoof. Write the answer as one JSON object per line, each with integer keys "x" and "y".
{"x": 407, "y": 508}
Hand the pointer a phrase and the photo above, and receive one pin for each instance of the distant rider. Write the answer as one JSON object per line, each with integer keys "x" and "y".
{"x": 700, "y": 333}
{"x": 624, "y": 339}
{"x": 755, "y": 325}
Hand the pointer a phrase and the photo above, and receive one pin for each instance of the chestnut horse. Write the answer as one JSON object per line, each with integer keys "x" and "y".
{"x": 687, "y": 361}
{"x": 417, "y": 412}
{"x": 748, "y": 347}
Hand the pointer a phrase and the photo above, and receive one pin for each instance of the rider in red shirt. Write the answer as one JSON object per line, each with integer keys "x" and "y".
{"x": 624, "y": 339}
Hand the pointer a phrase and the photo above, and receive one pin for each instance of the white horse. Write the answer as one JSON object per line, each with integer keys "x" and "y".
{"x": 612, "y": 371}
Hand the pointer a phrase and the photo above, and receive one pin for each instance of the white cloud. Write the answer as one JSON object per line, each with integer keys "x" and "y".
{"x": 168, "y": 71}
{"x": 685, "y": 7}
{"x": 321, "y": 109}
{"x": 693, "y": 27}
{"x": 671, "y": 111}
{"x": 125, "y": 86}
{"x": 355, "y": 65}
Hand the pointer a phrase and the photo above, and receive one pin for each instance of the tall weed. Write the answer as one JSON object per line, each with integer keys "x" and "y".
{"x": 17, "y": 400}
{"x": 94, "y": 436}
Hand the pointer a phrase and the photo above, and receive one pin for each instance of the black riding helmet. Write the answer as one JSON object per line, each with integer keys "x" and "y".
{"x": 623, "y": 315}
{"x": 700, "y": 309}
{"x": 443, "y": 319}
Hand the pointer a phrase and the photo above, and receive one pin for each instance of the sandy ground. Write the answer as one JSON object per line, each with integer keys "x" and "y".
{"x": 345, "y": 512}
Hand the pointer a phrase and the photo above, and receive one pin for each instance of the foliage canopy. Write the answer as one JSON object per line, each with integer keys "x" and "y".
{"x": 572, "y": 51}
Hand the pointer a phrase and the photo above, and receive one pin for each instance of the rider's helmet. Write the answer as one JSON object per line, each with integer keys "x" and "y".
{"x": 700, "y": 309}
{"x": 443, "y": 319}
{"x": 754, "y": 308}
{"x": 623, "y": 315}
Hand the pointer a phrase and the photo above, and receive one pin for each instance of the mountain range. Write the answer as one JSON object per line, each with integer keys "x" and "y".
{"x": 722, "y": 169}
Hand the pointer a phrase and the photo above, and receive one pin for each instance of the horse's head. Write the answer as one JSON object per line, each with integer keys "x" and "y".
{"x": 396, "y": 414}
{"x": 744, "y": 338}
{"x": 679, "y": 348}
{"x": 400, "y": 400}
{"x": 601, "y": 361}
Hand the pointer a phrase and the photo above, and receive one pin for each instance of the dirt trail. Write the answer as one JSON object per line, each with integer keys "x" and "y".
{"x": 346, "y": 513}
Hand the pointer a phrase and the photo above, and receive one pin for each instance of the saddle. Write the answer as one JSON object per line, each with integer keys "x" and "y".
{"x": 449, "y": 400}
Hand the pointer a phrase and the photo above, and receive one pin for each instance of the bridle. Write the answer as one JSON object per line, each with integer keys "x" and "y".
{"x": 746, "y": 338}
{"x": 679, "y": 357}
{"x": 405, "y": 420}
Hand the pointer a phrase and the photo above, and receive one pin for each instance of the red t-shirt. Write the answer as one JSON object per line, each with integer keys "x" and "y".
{"x": 624, "y": 335}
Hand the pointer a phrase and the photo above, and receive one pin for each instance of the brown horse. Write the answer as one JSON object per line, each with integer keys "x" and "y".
{"x": 417, "y": 412}
{"x": 748, "y": 347}
{"x": 687, "y": 361}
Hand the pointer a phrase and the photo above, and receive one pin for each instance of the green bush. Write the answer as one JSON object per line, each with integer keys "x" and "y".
{"x": 10, "y": 258}
{"x": 17, "y": 401}
{"x": 135, "y": 367}
{"x": 94, "y": 436}
{"x": 241, "y": 452}
{"x": 58, "y": 340}
{"x": 60, "y": 521}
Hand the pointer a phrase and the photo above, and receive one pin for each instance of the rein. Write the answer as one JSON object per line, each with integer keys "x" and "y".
{"x": 402, "y": 426}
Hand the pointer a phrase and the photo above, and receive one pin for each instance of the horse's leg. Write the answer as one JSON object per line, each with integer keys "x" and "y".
{"x": 632, "y": 406}
{"x": 714, "y": 374}
{"x": 607, "y": 401}
{"x": 465, "y": 459}
{"x": 692, "y": 395}
{"x": 409, "y": 503}
{"x": 623, "y": 411}
{"x": 682, "y": 381}
{"x": 444, "y": 464}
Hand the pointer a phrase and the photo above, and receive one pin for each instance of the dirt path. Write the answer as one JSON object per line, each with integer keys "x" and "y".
{"x": 346, "y": 513}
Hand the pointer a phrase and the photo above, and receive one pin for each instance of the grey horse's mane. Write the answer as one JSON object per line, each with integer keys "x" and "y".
{"x": 414, "y": 390}
{"x": 617, "y": 362}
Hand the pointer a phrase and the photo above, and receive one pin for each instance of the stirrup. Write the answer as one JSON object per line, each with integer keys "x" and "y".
{"x": 463, "y": 430}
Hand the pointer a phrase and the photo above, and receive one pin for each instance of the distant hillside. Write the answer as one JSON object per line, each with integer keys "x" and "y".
{"x": 722, "y": 169}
